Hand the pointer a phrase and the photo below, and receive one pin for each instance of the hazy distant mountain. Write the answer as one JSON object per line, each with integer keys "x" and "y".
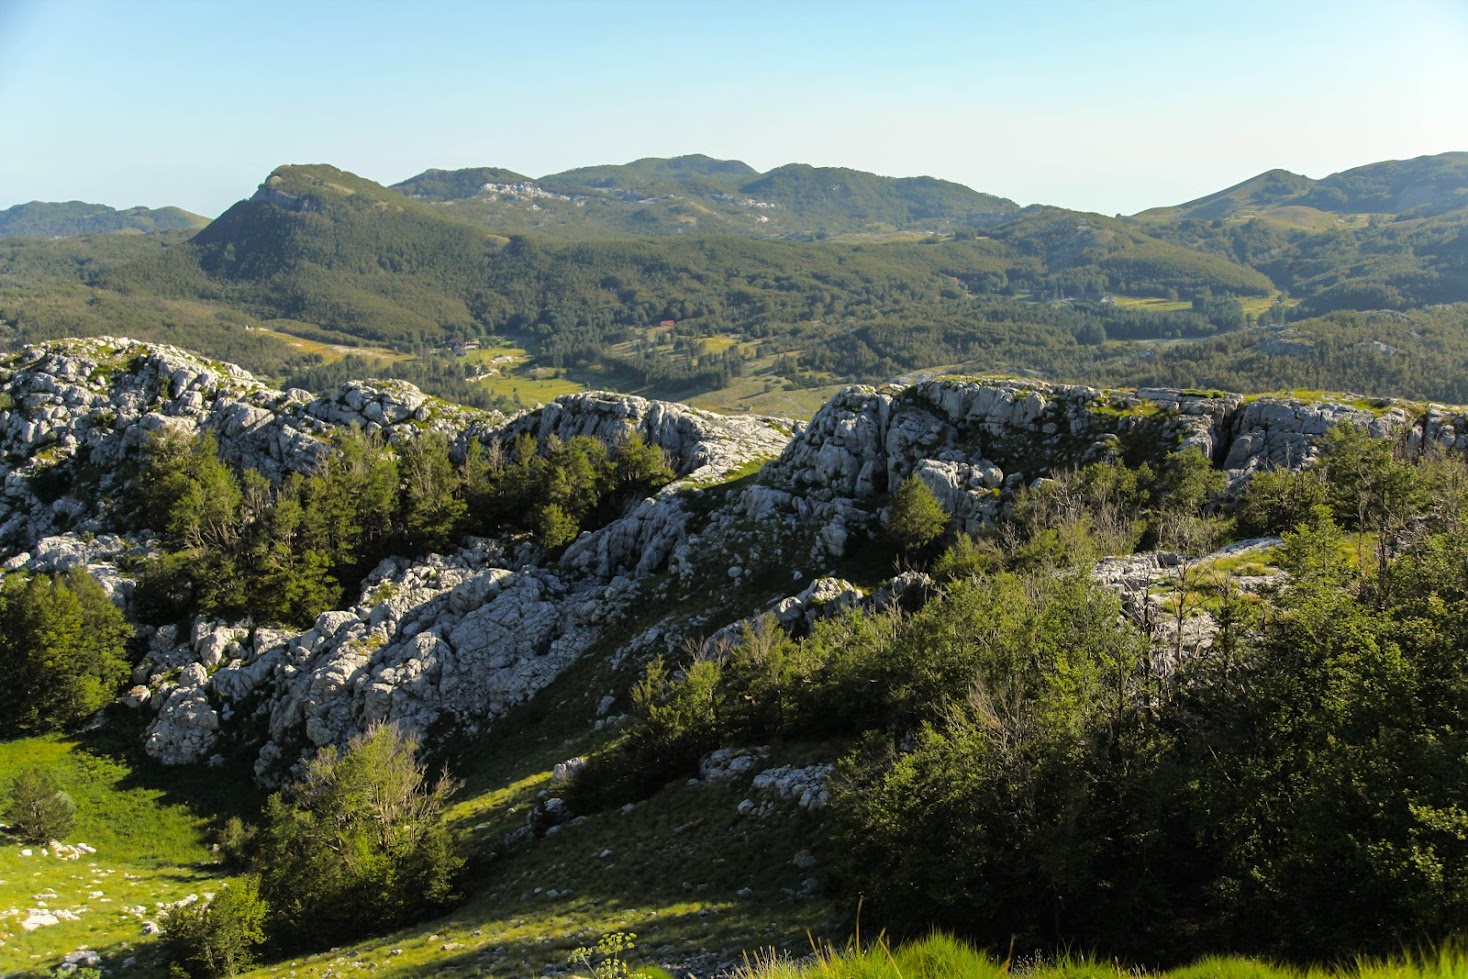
{"x": 456, "y": 185}
{"x": 1423, "y": 186}
{"x": 699, "y": 194}
{"x": 1388, "y": 235}
{"x": 42, "y": 219}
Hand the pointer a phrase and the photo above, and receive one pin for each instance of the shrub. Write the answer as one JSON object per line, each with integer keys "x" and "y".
{"x": 38, "y": 810}
{"x": 916, "y": 518}
{"x": 236, "y": 841}
{"x": 217, "y": 939}
{"x": 360, "y": 843}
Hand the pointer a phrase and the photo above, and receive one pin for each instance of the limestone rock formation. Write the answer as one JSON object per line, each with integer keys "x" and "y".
{"x": 455, "y": 640}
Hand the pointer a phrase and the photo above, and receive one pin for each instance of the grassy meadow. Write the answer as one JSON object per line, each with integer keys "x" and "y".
{"x": 151, "y": 848}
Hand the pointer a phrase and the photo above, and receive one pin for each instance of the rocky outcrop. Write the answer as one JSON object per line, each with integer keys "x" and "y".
{"x": 700, "y": 445}
{"x": 456, "y": 640}
{"x": 75, "y": 413}
{"x": 974, "y": 442}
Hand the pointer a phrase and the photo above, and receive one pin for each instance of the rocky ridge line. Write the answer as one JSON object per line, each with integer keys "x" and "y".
{"x": 461, "y": 637}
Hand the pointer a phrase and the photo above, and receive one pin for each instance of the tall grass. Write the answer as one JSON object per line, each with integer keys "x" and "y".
{"x": 941, "y": 956}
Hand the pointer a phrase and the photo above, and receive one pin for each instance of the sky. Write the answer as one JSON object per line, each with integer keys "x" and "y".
{"x": 1100, "y": 105}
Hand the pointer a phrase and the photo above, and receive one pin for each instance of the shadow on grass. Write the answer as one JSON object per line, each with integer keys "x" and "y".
{"x": 210, "y": 792}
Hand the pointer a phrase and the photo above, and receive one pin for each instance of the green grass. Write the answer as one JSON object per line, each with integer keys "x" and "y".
{"x": 765, "y": 395}
{"x": 1154, "y": 304}
{"x": 151, "y": 848}
{"x": 512, "y": 379}
{"x": 940, "y": 957}
{"x": 329, "y": 352}
{"x": 672, "y": 870}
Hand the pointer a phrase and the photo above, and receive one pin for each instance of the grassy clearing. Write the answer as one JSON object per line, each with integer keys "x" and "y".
{"x": 329, "y": 352}
{"x": 1253, "y": 305}
{"x": 940, "y": 957}
{"x": 1154, "y": 304}
{"x": 508, "y": 377}
{"x": 765, "y": 395}
{"x": 717, "y": 345}
{"x": 151, "y": 848}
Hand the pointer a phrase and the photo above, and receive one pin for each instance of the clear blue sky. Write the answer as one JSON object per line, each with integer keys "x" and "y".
{"x": 1105, "y": 105}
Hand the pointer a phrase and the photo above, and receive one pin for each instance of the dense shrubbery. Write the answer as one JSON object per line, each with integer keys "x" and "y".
{"x": 217, "y": 937}
{"x": 1028, "y": 764}
{"x": 359, "y": 844}
{"x": 62, "y": 651}
{"x": 238, "y": 544}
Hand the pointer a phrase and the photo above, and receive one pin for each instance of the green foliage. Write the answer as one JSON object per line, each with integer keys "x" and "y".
{"x": 285, "y": 552}
{"x": 1277, "y": 500}
{"x": 966, "y": 558}
{"x": 1275, "y": 795}
{"x": 607, "y": 960}
{"x": 555, "y": 527}
{"x": 433, "y": 507}
{"x": 236, "y": 841}
{"x": 37, "y": 810}
{"x": 940, "y": 956}
{"x": 62, "y": 645}
{"x": 217, "y": 938}
{"x": 1187, "y": 481}
{"x": 360, "y": 843}
{"x": 916, "y": 518}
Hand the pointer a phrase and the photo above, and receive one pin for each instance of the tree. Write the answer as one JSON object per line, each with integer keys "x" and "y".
{"x": 360, "y": 843}
{"x": 187, "y": 492}
{"x": 556, "y": 527}
{"x": 433, "y": 508}
{"x": 916, "y": 518}
{"x": 217, "y": 938}
{"x": 61, "y": 651}
{"x": 38, "y": 810}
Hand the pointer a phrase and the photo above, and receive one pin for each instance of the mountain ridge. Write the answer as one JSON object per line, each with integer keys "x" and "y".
{"x": 58, "y": 219}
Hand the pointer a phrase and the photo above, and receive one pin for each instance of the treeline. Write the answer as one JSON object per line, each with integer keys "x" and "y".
{"x": 237, "y": 545}
{"x": 1422, "y": 354}
{"x": 1034, "y": 765}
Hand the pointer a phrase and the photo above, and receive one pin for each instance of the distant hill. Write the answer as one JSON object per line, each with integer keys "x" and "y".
{"x": 1389, "y": 235}
{"x": 43, "y": 219}
{"x": 321, "y": 245}
{"x": 698, "y": 194}
{"x": 455, "y": 185}
{"x": 1424, "y": 186}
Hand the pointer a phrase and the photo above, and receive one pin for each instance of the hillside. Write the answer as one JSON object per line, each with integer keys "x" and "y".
{"x": 40, "y": 219}
{"x": 361, "y": 261}
{"x": 1070, "y": 603}
{"x": 700, "y": 195}
{"x": 1426, "y": 185}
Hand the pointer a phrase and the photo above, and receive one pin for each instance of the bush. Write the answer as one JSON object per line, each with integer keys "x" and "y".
{"x": 236, "y": 841}
{"x": 61, "y": 651}
{"x": 359, "y": 844}
{"x": 38, "y": 810}
{"x": 916, "y": 518}
{"x": 217, "y": 939}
